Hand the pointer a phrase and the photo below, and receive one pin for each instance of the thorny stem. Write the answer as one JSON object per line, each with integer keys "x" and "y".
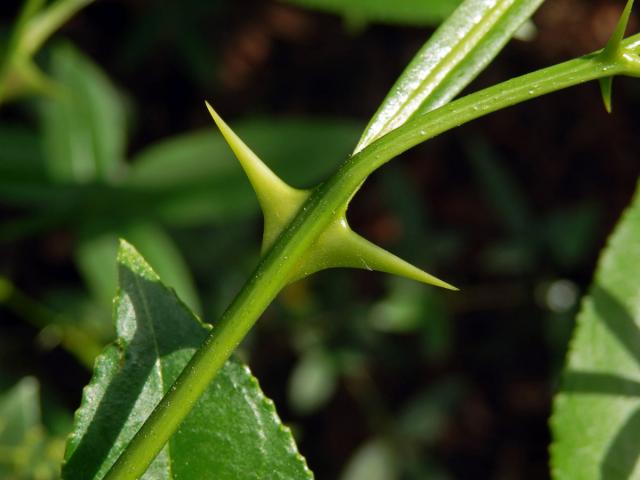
{"x": 327, "y": 201}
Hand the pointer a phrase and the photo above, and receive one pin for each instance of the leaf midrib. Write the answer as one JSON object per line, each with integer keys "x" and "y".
{"x": 147, "y": 319}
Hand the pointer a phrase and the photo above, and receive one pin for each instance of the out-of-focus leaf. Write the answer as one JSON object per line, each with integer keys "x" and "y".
{"x": 26, "y": 451}
{"x": 402, "y": 310}
{"x": 456, "y": 53}
{"x": 424, "y": 417}
{"x": 596, "y": 414}
{"x": 185, "y": 181}
{"x": 233, "y": 431}
{"x": 499, "y": 188}
{"x": 20, "y": 155}
{"x": 301, "y": 151}
{"x": 313, "y": 381}
{"x": 85, "y": 125}
{"x": 570, "y": 232}
{"x": 374, "y": 460}
{"x": 95, "y": 256}
{"x": 404, "y": 12}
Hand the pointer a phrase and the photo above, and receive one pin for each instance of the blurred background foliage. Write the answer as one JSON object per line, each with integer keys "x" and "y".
{"x": 103, "y": 134}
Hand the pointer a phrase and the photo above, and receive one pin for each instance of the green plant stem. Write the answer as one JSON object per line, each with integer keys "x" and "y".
{"x": 47, "y": 22}
{"x": 327, "y": 203}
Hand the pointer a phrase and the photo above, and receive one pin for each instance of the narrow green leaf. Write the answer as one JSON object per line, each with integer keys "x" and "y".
{"x": 84, "y": 126}
{"x": 596, "y": 414}
{"x": 233, "y": 431}
{"x": 456, "y": 53}
{"x": 404, "y": 12}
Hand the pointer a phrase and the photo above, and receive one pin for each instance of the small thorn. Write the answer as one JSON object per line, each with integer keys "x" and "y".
{"x": 612, "y": 50}
{"x": 606, "y": 87}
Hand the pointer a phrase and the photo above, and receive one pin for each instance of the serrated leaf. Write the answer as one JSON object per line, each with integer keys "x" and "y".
{"x": 404, "y": 12}
{"x": 596, "y": 414}
{"x": 455, "y": 54}
{"x": 95, "y": 256}
{"x": 233, "y": 431}
{"x": 84, "y": 126}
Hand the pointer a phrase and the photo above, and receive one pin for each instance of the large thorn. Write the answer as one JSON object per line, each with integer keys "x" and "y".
{"x": 337, "y": 246}
{"x": 279, "y": 202}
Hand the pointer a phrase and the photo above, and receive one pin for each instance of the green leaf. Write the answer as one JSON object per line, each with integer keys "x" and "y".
{"x": 21, "y": 156}
{"x": 456, "y": 53}
{"x": 313, "y": 381}
{"x": 404, "y": 12}
{"x": 375, "y": 460}
{"x": 85, "y": 125}
{"x": 596, "y": 414}
{"x": 26, "y": 451}
{"x": 95, "y": 256}
{"x": 233, "y": 431}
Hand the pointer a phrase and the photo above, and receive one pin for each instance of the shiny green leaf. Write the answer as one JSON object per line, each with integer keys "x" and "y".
{"x": 233, "y": 431}
{"x": 456, "y": 53}
{"x": 596, "y": 414}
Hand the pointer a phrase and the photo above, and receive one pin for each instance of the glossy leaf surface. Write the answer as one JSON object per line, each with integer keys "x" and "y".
{"x": 233, "y": 431}
{"x": 456, "y": 53}
{"x": 596, "y": 414}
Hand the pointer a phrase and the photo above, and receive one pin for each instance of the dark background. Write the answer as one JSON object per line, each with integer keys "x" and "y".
{"x": 510, "y": 208}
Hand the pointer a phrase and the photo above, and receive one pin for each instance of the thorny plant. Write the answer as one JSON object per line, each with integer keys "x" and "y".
{"x": 305, "y": 231}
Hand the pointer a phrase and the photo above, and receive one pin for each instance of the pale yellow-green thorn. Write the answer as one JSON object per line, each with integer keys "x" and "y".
{"x": 606, "y": 87}
{"x": 279, "y": 202}
{"x": 612, "y": 52}
{"x": 339, "y": 246}
{"x": 614, "y": 45}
